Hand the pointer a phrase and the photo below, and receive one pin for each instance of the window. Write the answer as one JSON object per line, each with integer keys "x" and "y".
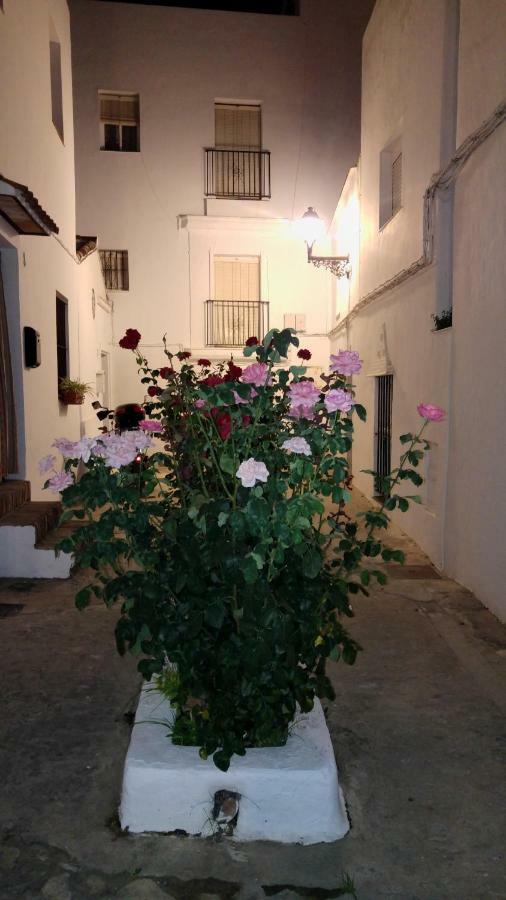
{"x": 237, "y": 125}
{"x": 62, "y": 338}
{"x": 56, "y": 80}
{"x": 383, "y": 431}
{"x": 236, "y": 311}
{"x": 390, "y": 199}
{"x": 115, "y": 269}
{"x": 119, "y": 122}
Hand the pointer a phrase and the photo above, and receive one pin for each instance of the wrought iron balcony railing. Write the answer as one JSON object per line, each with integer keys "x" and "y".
{"x": 229, "y": 323}
{"x": 237, "y": 174}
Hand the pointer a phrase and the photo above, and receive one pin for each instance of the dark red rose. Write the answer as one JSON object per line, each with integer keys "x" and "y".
{"x": 246, "y": 420}
{"x": 212, "y": 380}
{"x": 154, "y": 390}
{"x": 130, "y": 340}
{"x": 223, "y": 422}
{"x": 251, "y": 342}
{"x": 204, "y": 362}
{"x": 166, "y": 372}
{"x": 183, "y": 354}
{"x": 234, "y": 372}
{"x": 304, "y": 354}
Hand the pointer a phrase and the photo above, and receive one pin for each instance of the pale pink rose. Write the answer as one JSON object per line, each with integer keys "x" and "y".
{"x": 301, "y": 411}
{"x": 250, "y": 471}
{"x": 338, "y": 399}
{"x": 66, "y": 447}
{"x": 297, "y": 445}
{"x": 199, "y": 403}
{"x": 257, "y": 374}
{"x": 151, "y": 425}
{"x": 46, "y": 464}
{"x": 430, "y": 412}
{"x": 83, "y": 448}
{"x": 303, "y": 393}
{"x": 239, "y": 400}
{"x": 60, "y": 481}
{"x": 346, "y": 362}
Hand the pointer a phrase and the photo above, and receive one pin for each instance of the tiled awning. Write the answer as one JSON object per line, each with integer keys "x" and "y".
{"x": 85, "y": 244}
{"x": 22, "y": 210}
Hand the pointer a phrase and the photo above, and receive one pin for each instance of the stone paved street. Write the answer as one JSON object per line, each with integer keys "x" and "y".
{"x": 419, "y": 734}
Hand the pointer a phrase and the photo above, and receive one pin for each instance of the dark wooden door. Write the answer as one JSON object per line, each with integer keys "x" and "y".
{"x": 8, "y": 440}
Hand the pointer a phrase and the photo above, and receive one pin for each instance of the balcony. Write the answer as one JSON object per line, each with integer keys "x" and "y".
{"x": 237, "y": 174}
{"x": 229, "y": 323}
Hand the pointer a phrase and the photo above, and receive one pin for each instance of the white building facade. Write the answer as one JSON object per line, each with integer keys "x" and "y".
{"x": 423, "y": 219}
{"x": 51, "y": 295}
{"x": 200, "y": 136}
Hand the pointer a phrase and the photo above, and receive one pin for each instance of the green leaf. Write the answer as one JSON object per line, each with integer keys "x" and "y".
{"x": 249, "y": 569}
{"x": 222, "y": 518}
{"x": 406, "y": 438}
{"x": 403, "y": 504}
{"x": 215, "y": 614}
{"x": 83, "y": 598}
{"x": 360, "y": 411}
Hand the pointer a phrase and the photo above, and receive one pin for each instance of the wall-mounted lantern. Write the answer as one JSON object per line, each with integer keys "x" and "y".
{"x": 312, "y": 228}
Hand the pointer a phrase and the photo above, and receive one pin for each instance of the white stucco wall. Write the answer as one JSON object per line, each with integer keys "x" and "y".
{"x": 35, "y": 268}
{"x": 476, "y": 520}
{"x": 406, "y": 72}
{"x": 181, "y": 61}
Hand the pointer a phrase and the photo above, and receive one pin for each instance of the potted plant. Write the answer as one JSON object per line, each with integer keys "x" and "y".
{"x": 71, "y": 392}
{"x": 231, "y": 557}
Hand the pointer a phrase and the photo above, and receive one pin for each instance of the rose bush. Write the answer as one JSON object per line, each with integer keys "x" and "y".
{"x": 229, "y": 551}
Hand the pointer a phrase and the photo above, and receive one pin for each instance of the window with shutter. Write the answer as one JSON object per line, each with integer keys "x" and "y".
{"x": 119, "y": 121}
{"x": 237, "y": 126}
{"x": 390, "y": 186}
{"x": 397, "y": 184}
{"x": 55, "y": 73}
{"x": 62, "y": 338}
{"x": 236, "y": 312}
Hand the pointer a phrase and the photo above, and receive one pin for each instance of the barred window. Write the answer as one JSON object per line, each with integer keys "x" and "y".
{"x": 62, "y": 338}
{"x": 115, "y": 269}
{"x": 397, "y": 184}
{"x": 119, "y": 122}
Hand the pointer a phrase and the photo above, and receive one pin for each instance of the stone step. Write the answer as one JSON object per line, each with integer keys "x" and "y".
{"x": 41, "y": 515}
{"x": 53, "y": 537}
{"x": 13, "y": 494}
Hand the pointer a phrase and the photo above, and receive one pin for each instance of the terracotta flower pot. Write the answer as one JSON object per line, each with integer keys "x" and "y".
{"x": 71, "y": 398}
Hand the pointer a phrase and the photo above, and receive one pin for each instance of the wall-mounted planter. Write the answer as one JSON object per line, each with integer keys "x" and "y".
{"x": 71, "y": 398}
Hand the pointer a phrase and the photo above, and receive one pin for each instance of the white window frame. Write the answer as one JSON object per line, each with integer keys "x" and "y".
{"x": 118, "y": 122}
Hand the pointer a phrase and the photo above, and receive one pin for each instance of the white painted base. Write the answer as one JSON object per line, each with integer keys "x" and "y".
{"x": 289, "y": 794}
{"x": 20, "y": 558}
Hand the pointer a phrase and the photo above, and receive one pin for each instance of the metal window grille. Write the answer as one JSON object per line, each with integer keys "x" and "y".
{"x": 229, "y": 323}
{"x": 383, "y": 432}
{"x": 62, "y": 338}
{"x": 115, "y": 269}
{"x": 119, "y": 118}
{"x": 397, "y": 184}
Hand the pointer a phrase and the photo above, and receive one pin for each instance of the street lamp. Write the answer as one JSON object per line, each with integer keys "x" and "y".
{"x": 312, "y": 228}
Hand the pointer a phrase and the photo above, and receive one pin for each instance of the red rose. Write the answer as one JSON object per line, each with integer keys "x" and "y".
{"x": 223, "y": 422}
{"x": 154, "y": 390}
{"x": 130, "y": 339}
{"x": 304, "y": 354}
{"x": 166, "y": 372}
{"x": 183, "y": 354}
{"x": 203, "y": 362}
{"x": 251, "y": 342}
{"x": 212, "y": 380}
{"x": 246, "y": 420}
{"x": 234, "y": 372}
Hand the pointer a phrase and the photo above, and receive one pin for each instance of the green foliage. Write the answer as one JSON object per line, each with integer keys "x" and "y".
{"x": 241, "y": 590}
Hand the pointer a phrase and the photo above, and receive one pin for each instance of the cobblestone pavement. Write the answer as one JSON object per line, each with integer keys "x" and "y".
{"x": 418, "y": 728}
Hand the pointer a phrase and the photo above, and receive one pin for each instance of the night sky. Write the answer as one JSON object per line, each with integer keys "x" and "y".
{"x": 272, "y": 7}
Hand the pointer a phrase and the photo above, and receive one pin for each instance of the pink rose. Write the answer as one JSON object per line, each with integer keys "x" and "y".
{"x": 67, "y": 448}
{"x": 346, "y": 362}
{"x": 338, "y": 399}
{"x": 150, "y": 425}
{"x": 46, "y": 464}
{"x": 297, "y": 445}
{"x": 301, "y": 411}
{"x": 257, "y": 374}
{"x": 303, "y": 392}
{"x": 430, "y": 412}
{"x": 60, "y": 481}
{"x": 200, "y": 403}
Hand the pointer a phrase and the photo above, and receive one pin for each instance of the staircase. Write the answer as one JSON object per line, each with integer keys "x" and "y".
{"x": 28, "y": 535}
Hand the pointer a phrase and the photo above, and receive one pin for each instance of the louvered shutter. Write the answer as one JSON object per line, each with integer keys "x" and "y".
{"x": 237, "y": 126}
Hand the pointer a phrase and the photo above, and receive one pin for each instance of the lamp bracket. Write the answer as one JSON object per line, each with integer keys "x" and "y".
{"x": 338, "y": 265}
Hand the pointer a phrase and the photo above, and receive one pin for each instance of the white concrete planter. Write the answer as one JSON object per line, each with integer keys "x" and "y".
{"x": 289, "y": 794}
